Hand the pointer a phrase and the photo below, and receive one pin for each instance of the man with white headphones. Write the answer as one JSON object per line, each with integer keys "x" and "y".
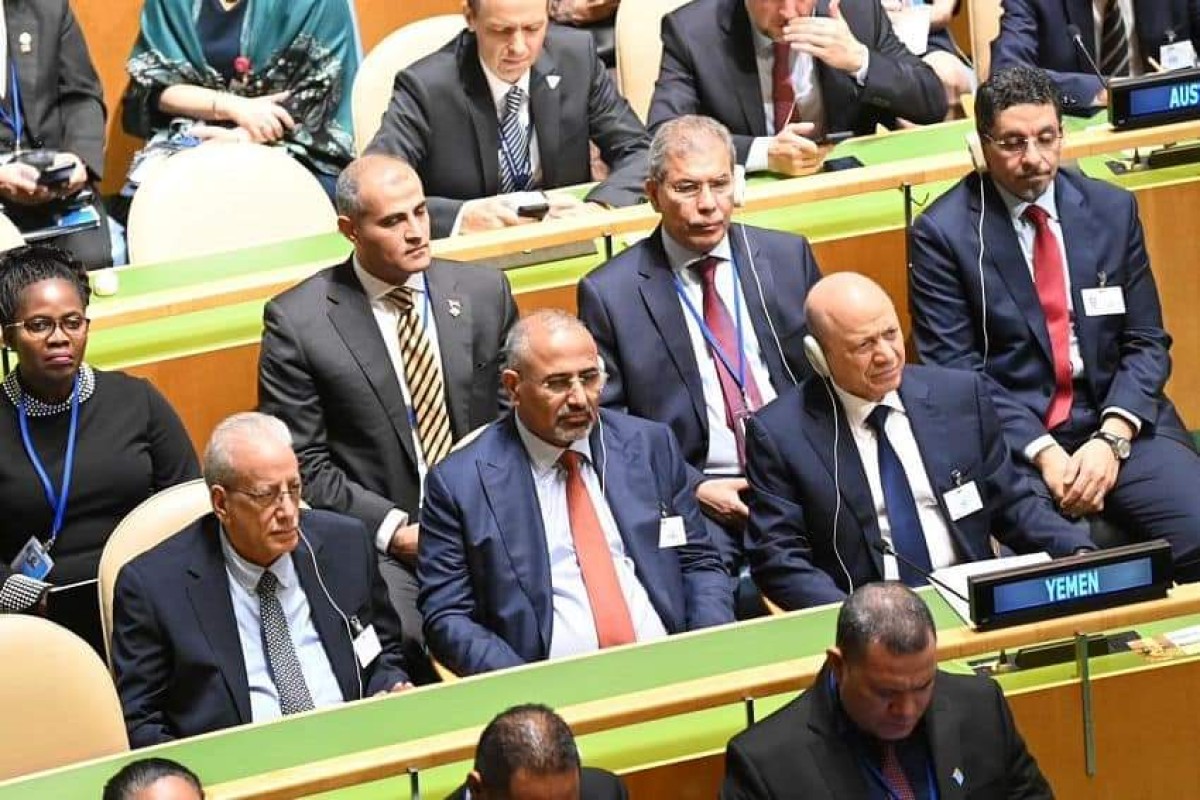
{"x": 866, "y": 460}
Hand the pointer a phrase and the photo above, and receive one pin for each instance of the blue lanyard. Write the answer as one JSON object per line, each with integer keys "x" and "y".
{"x": 17, "y": 121}
{"x": 58, "y": 502}
{"x": 739, "y": 375}
{"x": 892, "y": 793}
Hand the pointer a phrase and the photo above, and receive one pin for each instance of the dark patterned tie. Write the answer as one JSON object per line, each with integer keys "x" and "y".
{"x": 515, "y": 170}
{"x": 894, "y": 774}
{"x": 907, "y": 535}
{"x": 1114, "y": 42}
{"x": 281, "y": 652}
{"x": 423, "y": 374}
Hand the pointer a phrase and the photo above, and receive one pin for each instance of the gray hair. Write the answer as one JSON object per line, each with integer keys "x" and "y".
{"x": 553, "y": 320}
{"x": 345, "y": 194}
{"x": 527, "y": 737}
{"x": 687, "y": 134}
{"x": 219, "y": 468}
{"x": 887, "y": 612}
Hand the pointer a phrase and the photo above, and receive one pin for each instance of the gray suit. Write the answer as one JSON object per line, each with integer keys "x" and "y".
{"x": 442, "y": 120}
{"x": 325, "y": 371}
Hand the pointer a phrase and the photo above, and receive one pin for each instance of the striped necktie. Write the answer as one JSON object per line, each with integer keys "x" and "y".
{"x": 1114, "y": 42}
{"x": 514, "y": 145}
{"x": 423, "y": 375}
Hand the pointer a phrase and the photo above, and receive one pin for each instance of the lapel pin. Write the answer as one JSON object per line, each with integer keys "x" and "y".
{"x": 957, "y": 775}
{"x": 552, "y": 81}
{"x": 454, "y": 307}
{"x": 25, "y": 42}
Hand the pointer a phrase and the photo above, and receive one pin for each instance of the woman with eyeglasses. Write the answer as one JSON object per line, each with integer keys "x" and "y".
{"x": 81, "y": 447}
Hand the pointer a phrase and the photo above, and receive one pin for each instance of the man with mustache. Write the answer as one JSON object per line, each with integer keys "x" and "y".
{"x": 562, "y": 528}
{"x": 1039, "y": 279}
{"x": 380, "y": 363}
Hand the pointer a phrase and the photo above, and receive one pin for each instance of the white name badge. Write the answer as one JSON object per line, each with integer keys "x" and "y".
{"x": 33, "y": 561}
{"x": 1104, "y": 301}
{"x": 1177, "y": 55}
{"x": 367, "y": 646}
{"x": 671, "y": 532}
{"x": 963, "y": 501}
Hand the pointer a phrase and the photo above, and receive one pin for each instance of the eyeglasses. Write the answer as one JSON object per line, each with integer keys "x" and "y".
{"x": 271, "y": 498}
{"x": 589, "y": 380}
{"x": 44, "y": 327}
{"x": 688, "y": 189}
{"x": 1017, "y": 145}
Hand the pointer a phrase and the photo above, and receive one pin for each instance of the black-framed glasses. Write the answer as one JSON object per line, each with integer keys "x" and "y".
{"x": 270, "y": 498}
{"x": 1017, "y": 145}
{"x": 44, "y": 327}
{"x": 589, "y": 380}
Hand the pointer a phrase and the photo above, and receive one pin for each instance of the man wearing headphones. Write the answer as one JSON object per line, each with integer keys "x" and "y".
{"x": 866, "y": 460}
{"x": 703, "y": 322}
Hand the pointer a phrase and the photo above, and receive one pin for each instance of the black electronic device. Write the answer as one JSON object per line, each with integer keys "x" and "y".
{"x": 1156, "y": 99}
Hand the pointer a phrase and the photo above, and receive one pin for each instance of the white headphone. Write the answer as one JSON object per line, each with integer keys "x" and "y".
{"x": 816, "y": 357}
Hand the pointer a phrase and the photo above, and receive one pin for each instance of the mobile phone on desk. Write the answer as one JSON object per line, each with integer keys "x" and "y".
{"x": 534, "y": 210}
{"x": 835, "y": 138}
{"x": 55, "y": 176}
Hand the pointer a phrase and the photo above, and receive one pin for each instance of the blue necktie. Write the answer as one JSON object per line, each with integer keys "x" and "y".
{"x": 515, "y": 171}
{"x": 907, "y": 536}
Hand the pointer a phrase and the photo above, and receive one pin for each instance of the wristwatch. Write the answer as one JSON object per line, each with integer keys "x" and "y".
{"x": 1119, "y": 444}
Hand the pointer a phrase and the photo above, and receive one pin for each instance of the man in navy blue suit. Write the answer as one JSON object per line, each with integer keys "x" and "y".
{"x": 562, "y": 528}
{"x": 656, "y": 318}
{"x": 1035, "y": 33}
{"x": 870, "y": 450}
{"x": 256, "y": 610}
{"x": 1057, "y": 307}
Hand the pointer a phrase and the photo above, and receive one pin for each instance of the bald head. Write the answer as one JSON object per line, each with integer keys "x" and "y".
{"x": 856, "y": 324}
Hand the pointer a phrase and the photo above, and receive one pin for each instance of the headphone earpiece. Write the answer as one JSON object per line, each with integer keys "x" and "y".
{"x": 816, "y": 357}
{"x": 975, "y": 151}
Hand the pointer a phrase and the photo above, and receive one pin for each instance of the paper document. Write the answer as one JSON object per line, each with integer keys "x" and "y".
{"x": 956, "y": 578}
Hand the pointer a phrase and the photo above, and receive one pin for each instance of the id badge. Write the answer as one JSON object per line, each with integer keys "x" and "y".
{"x": 1177, "y": 55}
{"x": 1105, "y": 301}
{"x": 671, "y": 533}
{"x": 367, "y": 646}
{"x": 962, "y": 501}
{"x": 33, "y": 561}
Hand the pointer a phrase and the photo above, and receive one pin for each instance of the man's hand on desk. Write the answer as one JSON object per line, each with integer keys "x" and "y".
{"x": 563, "y": 205}
{"x": 582, "y": 12}
{"x": 827, "y": 38}
{"x": 400, "y": 686}
{"x": 18, "y": 184}
{"x": 1090, "y": 474}
{"x": 403, "y": 546}
{"x": 791, "y": 152}
{"x": 720, "y": 500}
{"x": 489, "y": 214}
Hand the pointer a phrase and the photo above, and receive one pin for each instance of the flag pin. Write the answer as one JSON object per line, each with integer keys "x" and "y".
{"x": 957, "y": 775}
{"x": 25, "y": 42}
{"x": 552, "y": 81}
{"x": 454, "y": 306}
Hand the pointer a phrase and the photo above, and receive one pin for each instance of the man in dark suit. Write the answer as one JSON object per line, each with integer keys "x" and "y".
{"x": 1066, "y": 324}
{"x": 528, "y": 753}
{"x": 649, "y": 311}
{"x": 379, "y": 363}
{"x": 871, "y": 451}
{"x": 562, "y": 528}
{"x": 509, "y": 106}
{"x": 881, "y": 721}
{"x": 845, "y": 70}
{"x": 256, "y": 610}
{"x": 1036, "y": 33}
{"x": 48, "y": 70}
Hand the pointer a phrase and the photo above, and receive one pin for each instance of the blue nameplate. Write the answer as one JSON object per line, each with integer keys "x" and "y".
{"x": 1156, "y": 99}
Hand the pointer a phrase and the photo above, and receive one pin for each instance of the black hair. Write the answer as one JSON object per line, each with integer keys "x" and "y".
{"x": 887, "y": 612}
{"x": 527, "y": 737}
{"x": 144, "y": 773}
{"x": 22, "y": 267}
{"x": 1010, "y": 87}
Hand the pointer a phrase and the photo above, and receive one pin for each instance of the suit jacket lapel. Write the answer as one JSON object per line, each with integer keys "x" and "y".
{"x": 1081, "y": 235}
{"x": 483, "y": 113}
{"x": 350, "y": 313}
{"x": 662, "y": 302}
{"x": 328, "y": 622}
{"x": 945, "y": 744}
{"x": 751, "y": 277}
{"x": 452, "y": 315}
{"x": 20, "y": 21}
{"x": 545, "y": 108}
{"x": 834, "y": 756}
{"x": 208, "y": 591}
{"x": 507, "y": 481}
{"x": 741, "y": 64}
{"x": 1079, "y": 13}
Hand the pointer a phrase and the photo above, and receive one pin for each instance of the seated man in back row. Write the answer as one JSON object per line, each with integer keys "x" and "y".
{"x": 871, "y": 458}
{"x": 562, "y": 528}
{"x": 782, "y": 74}
{"x": 507, "y": 107}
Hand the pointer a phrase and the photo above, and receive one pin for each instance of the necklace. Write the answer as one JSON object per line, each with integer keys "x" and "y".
{"x": 38, "y": 408}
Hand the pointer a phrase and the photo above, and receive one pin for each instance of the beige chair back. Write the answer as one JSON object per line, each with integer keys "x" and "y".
{"x": 376, "y": 76}
{"x": 59, "y": 701}
{"x": 223, "y": 196}
{"x": 10, "y": 237}
{"x": 639, "y": 49}
{"x": 984, "y": 16}
{"x": 154, "y": 520}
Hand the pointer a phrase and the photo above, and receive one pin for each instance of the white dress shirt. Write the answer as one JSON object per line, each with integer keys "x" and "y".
{"x": 387, "y": 318}
{"x": 899, "y": 432}
{"x": 314, "y": 662}
{"x": 1135, "y": 47}
{"x": 722, "y": 447}
{"x": 574, "y": 627}
{"x": 810, "y": 106}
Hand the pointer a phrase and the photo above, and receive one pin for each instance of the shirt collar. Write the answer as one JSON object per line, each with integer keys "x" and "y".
{"x": 858, "y": 409}
{"x": 680, "y": 257}
{"x": 499, "y": 87}
{"x": 1016, "y": 206}
{"x": 763, "y": 45}
{"x": 247, "y": 574}
{"x": 377, "y": 289}
{"x": 543, "y": 455}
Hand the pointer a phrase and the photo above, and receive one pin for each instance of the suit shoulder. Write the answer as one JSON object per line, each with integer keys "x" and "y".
{"x": 785, "y": 410}
{"x": 600, "y": 784}
{"x": 439, "y": 66}
{"x": 778, "y": 736}
{"x": 769, "y": 238}
{"x": 630, "y": 425}
{"x": 475, "y": 276}
{"x": 325, "y": 524}
{"x": 697, "y": 13}
{"x": 301, "y": 295}
{"x": 944, "y": 377}
{"x": 954, "y": 201}
{"x": 1096, "y": 190}
{"x": 162, "y": 561}
{"x": 970, "y": 692}
{"x": 621, "y": 267}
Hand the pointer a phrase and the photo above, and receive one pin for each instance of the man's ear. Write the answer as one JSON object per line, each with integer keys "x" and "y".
{"x": 347, "y": 228}
{"x": 509, "y": 379}
{"x": 475, "y": 785}
{"x": 837, "y": 663}
{"x": 220, "y": 502}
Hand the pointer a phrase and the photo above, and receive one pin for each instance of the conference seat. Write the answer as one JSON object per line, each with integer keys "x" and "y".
{"x": 221, "y": 197}
{"x": 984, "y": 19}
{"x": 59, "y": 701}
{"x": 372, "y": 90}
{"x": 10, "y": 237}
{"x": 639, "y": 49}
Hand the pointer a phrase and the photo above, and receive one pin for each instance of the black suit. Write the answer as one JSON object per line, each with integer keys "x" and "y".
{"x": 178, "y": 662}
{"x": 442, "y": 120}
{"x": 799, "y": 751}
{"x": 326, "y": 372}
{"x": 594, "y": 784}
{"x": 709, "y": 67}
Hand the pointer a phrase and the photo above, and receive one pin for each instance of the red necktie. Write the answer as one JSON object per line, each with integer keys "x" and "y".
{"x": 613, "y": 624}
{"x": 783, "y": 94}
{"x": 724, "y": 330}
{"x": 893, "y": 773}
{"x": 1052, "y": 294}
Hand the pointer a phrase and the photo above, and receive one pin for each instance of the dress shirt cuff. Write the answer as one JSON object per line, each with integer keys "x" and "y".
{"x": 383, "y": 537}
{"x": 756, "y": 158}
{"x": 1038, "y": 445}
{"x": 457, "y": 221}
{"x": 1130, "y": 417}
{"x": 860, "y": 77}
